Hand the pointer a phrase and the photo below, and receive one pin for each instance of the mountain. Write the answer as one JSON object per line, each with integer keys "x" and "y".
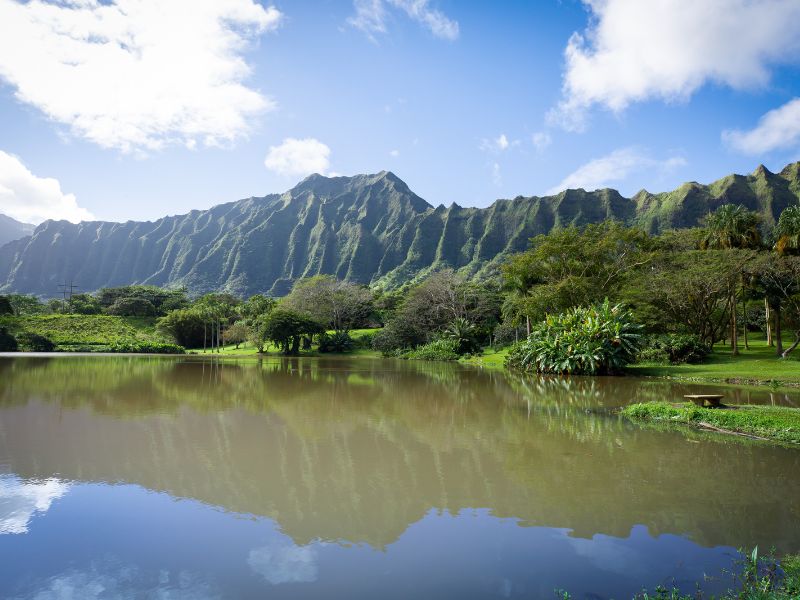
{"x": 366, "y": 228}
{"x": 11, "y": 229}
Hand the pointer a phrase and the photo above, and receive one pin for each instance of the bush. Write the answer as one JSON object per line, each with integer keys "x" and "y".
{"x": 674, "y": 348}
{"x": 8, "y": 343}
{"x": 146, "y": 348}
{"x": 593, "y": 340}
{"x": 339, "y": 341}
{"x": 33, "y": 342}
{"x": 442, "y": 349}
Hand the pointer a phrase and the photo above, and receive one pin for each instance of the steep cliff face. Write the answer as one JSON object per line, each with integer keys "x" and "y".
{"x": 367, "y": 228}
{"x": 11, "y": 229}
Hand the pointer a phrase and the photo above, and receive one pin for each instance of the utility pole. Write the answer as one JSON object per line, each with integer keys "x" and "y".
{"x": 67, "y": 290}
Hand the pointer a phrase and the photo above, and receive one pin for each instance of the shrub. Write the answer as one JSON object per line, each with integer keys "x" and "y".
{"x": 464, "y": 334}
{"x": 8, "y": 343}
{"x": 674, "y": 348}
{"x": 146, "y": 348}
{"x": 441, "y": 349}
{"x": 33, "y": 342}
{"x": 593, "y": 340}
{"x": 339, "y": 341}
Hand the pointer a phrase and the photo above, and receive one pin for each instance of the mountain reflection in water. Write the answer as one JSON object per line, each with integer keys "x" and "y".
{"x": 316, "y": 472}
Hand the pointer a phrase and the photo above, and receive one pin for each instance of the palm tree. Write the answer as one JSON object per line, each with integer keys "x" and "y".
{"x": 732, "y": 226}
{"x": 788, "y": 231}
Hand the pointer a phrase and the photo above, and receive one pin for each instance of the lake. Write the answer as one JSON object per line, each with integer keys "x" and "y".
{"x": 185, "y": 477}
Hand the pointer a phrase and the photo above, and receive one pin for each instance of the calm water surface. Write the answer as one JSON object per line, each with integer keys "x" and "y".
{"x": 138, "y": 477}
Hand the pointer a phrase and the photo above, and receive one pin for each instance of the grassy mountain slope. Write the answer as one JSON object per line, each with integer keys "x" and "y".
{"x": 366, "y": 228}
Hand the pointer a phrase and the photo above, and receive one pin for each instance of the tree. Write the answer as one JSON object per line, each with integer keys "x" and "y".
{"x": 186, "y": 326}
{"x": 256, "y": 305}
{"x": 218, "y": 311}
{"x": 573, "y": 267}
{"x": 132, "y": 307}
{"x": 732, "y": 226}
{"x": 691, "y": 289}
{"x": 285, "y": 328}
{"x": 26, "y": 304}
{"x": 788, "y": 231}
{"x": 434, "y": 304}
{"x": 84, "y": 304}
{"x": 162, "y": 300}
{"x": 339, "y": 305}
{"x": 237, "y": 333}
{"x": 780, "y": 278}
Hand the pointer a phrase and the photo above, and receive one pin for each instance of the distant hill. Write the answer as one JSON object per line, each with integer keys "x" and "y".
{"x": 366, "y": 228}
{"x": 11, "y": 229}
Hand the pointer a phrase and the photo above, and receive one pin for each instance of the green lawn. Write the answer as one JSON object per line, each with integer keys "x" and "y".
{"x": 758, "y": 365}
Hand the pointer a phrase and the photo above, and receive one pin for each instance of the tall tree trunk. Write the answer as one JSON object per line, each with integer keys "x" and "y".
{"x": 744, "y": 320}
{"x": 528, "y": 324}
{"x": 768, "y": 319}
{"x": 734, "y": 328}
{"x": 778, "y": 332}
{"x": 204, "y": 337}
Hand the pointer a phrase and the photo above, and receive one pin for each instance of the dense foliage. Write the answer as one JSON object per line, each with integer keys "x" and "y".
{"x": 594, "y": 340}
{"x": 8, "y": 343}
{"x": 673, "y": 348}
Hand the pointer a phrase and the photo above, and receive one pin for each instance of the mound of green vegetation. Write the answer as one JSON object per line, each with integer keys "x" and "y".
{"x": 776, "y": 423}
{"x": 84, "y": 332}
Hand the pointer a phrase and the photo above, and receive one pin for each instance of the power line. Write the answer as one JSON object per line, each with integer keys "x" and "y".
{"x": 67, "y": 290}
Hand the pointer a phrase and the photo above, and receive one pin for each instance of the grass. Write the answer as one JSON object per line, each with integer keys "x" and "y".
{"x": 489, "y": 357}
{"x": 72, "y": 332}
{"x": 774, "y": 423}
{"x": 756, "y": 366}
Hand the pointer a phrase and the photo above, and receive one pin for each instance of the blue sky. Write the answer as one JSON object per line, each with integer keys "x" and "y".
{"x": 120, "y": 110}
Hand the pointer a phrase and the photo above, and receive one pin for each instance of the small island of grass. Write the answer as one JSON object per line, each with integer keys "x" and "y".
{"x": 773, "y": 423}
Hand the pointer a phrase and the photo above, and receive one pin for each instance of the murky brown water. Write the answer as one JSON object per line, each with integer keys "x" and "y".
{"x": 182, "y": 478}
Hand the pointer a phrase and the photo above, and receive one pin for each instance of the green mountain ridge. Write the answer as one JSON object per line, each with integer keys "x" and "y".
{"x": 367, "y": 228}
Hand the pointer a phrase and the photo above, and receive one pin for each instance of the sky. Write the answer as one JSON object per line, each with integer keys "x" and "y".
{"x": 136, "y": 109}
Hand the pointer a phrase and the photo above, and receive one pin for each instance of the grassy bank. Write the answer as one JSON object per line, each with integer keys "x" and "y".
{"x": 773, "y": 423}
{"x": 756, "y": 366}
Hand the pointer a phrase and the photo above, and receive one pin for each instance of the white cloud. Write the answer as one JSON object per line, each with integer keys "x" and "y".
{"x": 777, "y": 129}
{"x": 298, "y": 157}
{"x": 31, "y": 199}
{"x": 136, "y": 75}
{"x": 497, "y": 144}
{"x": 666, "y": 49}
{"x": 281, "y": 562}
{"x": 616, "y": 166}
{"x": 21, "y": 500}
{"x": 371, "y": 17}
{"x": 394, "y": 153}
{"x": 541, "y": 140}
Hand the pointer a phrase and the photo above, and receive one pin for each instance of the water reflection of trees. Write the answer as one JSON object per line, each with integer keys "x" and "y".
{"x": 359, "y": 449}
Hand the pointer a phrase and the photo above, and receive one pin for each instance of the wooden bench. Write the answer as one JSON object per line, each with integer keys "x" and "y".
{"x": 710, "y": 400}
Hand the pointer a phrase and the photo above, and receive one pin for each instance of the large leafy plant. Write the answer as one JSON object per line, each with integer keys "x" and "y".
{"x": 592, "y": 340}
